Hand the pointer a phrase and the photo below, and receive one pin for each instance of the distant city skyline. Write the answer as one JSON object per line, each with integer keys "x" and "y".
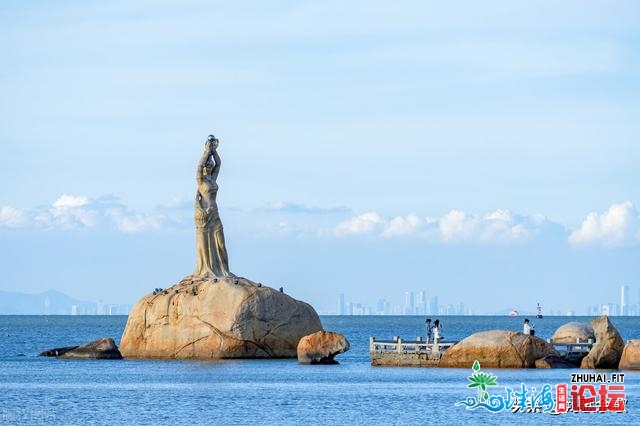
{"x": 417, "y": 303}
{"x": 52, "y": 302}
{"x": 414, "y": 303}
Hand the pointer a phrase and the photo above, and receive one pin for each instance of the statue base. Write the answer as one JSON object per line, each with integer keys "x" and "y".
{"x": 217, "y": 318}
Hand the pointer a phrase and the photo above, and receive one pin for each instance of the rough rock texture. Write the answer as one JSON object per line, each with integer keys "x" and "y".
{"x": 219, "y": 318}
{"x": 321, "y": 347}
{"x": 571, "y": 331}
{"x": 497, "y": 349}
{"x": 607, "y": 350}
{"x": 630, "y": 359}
{"x": 553, "y": 361}
{"x": 104, "y": 348}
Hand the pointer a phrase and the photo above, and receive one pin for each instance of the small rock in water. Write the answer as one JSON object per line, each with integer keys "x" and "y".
{"x": 98, "y": 349}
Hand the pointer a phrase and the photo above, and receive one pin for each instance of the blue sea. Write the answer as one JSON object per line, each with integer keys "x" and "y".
{"x": 40, "y": 390}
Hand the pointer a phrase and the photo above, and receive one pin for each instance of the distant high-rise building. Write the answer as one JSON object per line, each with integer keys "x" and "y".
{"x": 421, "y": 306}
{"x": 409, "y": 303}
{"x": 624, "y": 300}
{"x": 383, "y": 307}
{"x": 610, "y": 309}
{"x": 433, "y": 306}
{"x": 349, "y": 308}
{"x": 341, "y": 306}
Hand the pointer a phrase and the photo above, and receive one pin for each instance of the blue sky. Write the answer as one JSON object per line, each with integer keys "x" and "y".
{"x": 482, "y": 151}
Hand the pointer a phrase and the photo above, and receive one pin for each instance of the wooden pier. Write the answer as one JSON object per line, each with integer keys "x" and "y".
{"x": 407, "y": 353}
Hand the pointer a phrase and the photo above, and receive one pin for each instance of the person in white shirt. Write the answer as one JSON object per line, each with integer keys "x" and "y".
{"x": 437, "y": 331}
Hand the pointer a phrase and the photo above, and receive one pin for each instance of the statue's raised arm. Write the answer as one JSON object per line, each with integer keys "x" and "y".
{"x": 209, "y": 158}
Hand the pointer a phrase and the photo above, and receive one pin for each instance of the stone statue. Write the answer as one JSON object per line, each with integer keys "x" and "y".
{"x": 211, "y": 252}
{"x": 213, "y": 314}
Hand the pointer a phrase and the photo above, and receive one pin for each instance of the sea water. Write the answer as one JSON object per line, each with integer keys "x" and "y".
{"x": 41, "y": 390}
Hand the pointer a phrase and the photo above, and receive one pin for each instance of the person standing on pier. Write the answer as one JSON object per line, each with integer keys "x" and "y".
{"x": 437, "y": 331}
{"x": 429, "y": 330}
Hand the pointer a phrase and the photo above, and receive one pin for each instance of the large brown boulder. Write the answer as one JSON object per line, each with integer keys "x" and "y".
{"x": 104, "y": 348}
{"x": 572, "y": 331}
{"x": 321, "y": 347}
{"x": 630, "y": 359}
{"x": 219, "y": 318}
{"x": 497, "y": 349}
{"x": 607, "y": 350}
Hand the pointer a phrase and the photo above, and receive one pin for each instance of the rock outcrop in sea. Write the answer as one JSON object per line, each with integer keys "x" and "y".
{"x": 630, "y": 359}
{"x": 607, "y": 350}
{"x": 104, "y": 348}
{"x": 217, "y": 318}
{"x": 321, "y": 347}
{"x": 497, "y": 349}
{"x": 573, "y": 332}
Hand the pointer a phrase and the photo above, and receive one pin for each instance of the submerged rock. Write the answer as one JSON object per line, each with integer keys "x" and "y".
{"x": 630, "y": 359}
{"x": 607, "y": 350}
{"x": 104, "y": 348}
{"x": 321, "y": 347}
{"x": 217, "y": 318}
{"x": 497, "y": 349}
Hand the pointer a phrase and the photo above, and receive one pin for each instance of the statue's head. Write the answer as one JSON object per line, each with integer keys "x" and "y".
{"x": 211, "y": 138}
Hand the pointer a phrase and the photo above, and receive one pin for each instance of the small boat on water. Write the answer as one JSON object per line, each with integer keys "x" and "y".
{"x": 514, "y": 313}
{"x": 539, "y": 311}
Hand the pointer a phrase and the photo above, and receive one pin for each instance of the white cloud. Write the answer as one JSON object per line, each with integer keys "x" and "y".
{"x": 80, "y": 212}
{"x": 11, "y": 217}
{"x": 70, "y": 201}
{"x": 130, "y": 222}
{"x": 456, "y": 226}
{"x": 619, "y": 225}
{"x": 366, "y": 223}
{"x": 400, "y": 226}
{"x": 138, "y": 223}
{"x": 502, "y": 225}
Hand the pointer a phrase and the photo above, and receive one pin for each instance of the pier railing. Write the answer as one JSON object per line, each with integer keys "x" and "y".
{"x": 578, "y": 348}
{"x": 398, "y": 345}
{"x": 419, "y": 353}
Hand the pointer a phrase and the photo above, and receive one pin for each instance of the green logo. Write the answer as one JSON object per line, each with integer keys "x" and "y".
{"x": 481, "y": 381}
